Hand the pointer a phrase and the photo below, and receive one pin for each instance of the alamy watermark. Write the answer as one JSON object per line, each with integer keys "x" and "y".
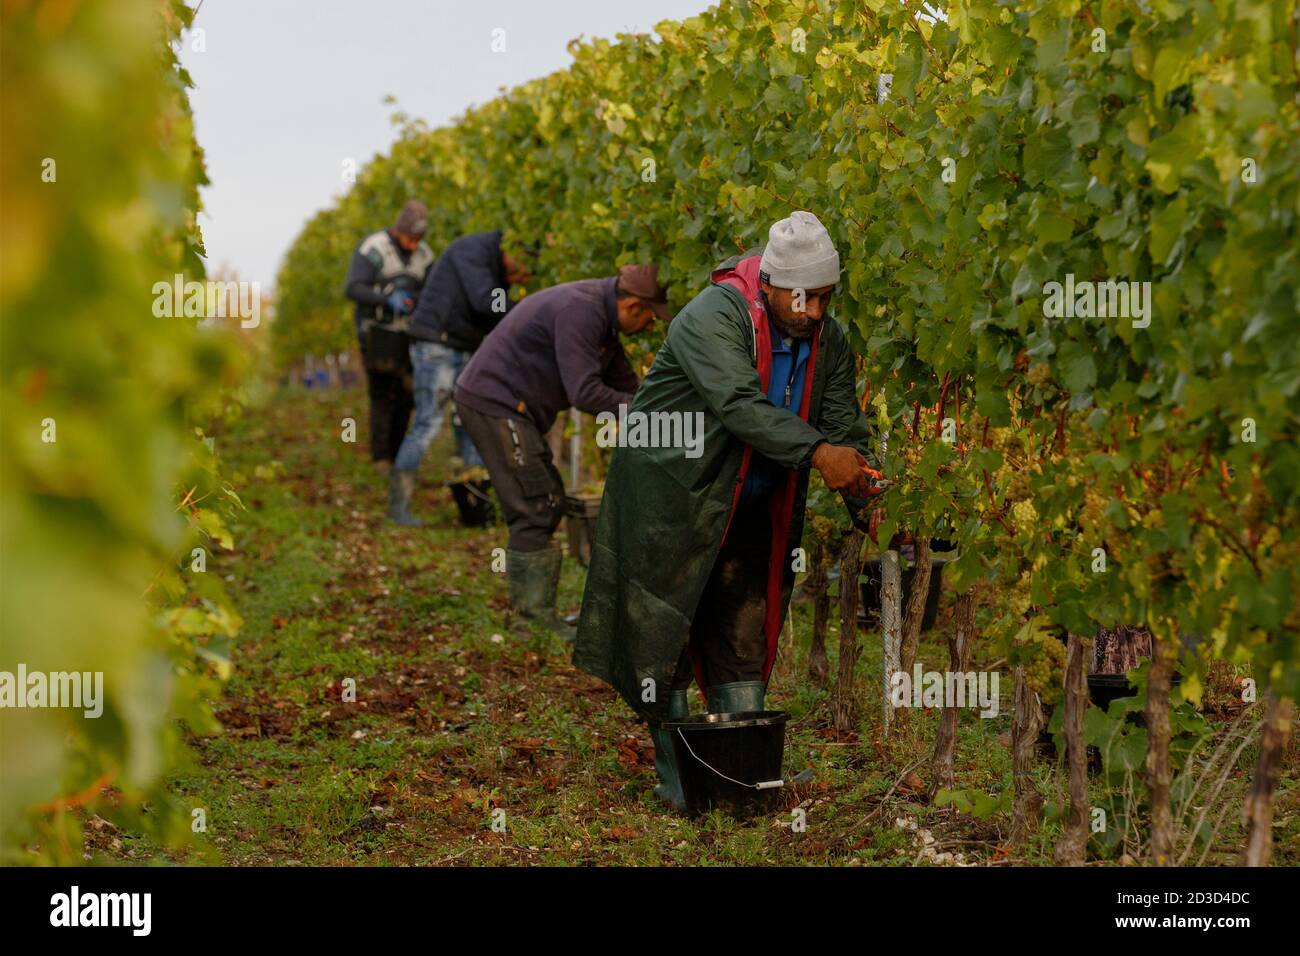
{"x": 638, "y": 429}
{"x": 78, "y": 689}
{"x": 1088, "y": 300}
{"x": 974, "y": 689}
{"x": 130, "y": 910}
{"x": 209, "y": 299}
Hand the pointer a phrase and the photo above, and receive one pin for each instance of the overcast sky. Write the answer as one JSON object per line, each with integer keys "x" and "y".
{"x": 289, "y": 89}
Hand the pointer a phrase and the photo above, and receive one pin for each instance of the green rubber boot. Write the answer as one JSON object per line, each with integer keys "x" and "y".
{"x": 740, "y": 697}
{"x": 401, "y": 484}
{"x": 669, "y": 788}
{"x": 534, "y": 579}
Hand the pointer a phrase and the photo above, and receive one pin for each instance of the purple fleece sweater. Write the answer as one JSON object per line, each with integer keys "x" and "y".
{"x": 556, "y": 349}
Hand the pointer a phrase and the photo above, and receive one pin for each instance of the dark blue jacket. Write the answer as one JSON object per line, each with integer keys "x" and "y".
{"x": 455, "y": 308}
{"x": 558, "y": 349}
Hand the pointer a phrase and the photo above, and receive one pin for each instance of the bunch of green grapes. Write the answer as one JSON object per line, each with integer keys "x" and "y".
{"x": 1018, "y": 486}
{"x": 1153, "y": 520}
{"x": 821, "y": 527}
{"x": 1005, "y": 441}
{"x": 1044, "y": 667}
{"x": 1092, "y": 514}
{"x": 1018, "y": 597}
{"x": 1077, "y": 422}
{"x": 1039, "y": 375}
{"x": 1024, "y": 514}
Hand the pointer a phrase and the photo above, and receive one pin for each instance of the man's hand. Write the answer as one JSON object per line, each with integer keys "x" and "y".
{"x": 399, "y": 302}
{"x": 841, "y": 468}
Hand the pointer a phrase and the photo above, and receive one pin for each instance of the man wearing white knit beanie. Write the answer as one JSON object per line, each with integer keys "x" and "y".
{"x": 800, "y": 255}
{"x": 692, "y": 566}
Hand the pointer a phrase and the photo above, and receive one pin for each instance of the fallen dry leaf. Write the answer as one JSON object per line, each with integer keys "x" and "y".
{"x": 910, "y": 784}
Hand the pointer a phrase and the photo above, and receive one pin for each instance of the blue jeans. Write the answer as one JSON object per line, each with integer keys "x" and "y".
{"x": 435, "y": 368}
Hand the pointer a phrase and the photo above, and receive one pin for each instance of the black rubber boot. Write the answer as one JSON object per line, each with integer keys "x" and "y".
{"x": 534, "y": 579}
{"x": 401, "y": 484}
{"x": 738, "y": 698}
{"x": 669, "y": 788}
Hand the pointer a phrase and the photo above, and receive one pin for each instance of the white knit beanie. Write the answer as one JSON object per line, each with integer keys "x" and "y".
{"x": 800, "y": 254}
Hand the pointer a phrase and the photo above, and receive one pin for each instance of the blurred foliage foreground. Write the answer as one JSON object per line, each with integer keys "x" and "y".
{"x": 111, "y": 499}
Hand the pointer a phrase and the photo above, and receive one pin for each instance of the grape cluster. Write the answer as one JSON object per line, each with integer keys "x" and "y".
{"x": 822, "y": 528}
{"x": 1004, "y": 440}
{"x": 1018, "y": 599}
{"x": 1044, "y": 668}
{"x": 1018, "y": 487}
{"x": 1153, "y": 519}
{"x": 1024, "y": 514}
{"x": 1077, "y": 422}
{"x": 1092, "y": 514}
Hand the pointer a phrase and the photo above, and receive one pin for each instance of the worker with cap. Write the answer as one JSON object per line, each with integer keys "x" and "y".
{"x": 464, "y": 298}
{"x": 387, "y": 272}
{"x": 558, "y": 348}
{"x": 693, "y": 560}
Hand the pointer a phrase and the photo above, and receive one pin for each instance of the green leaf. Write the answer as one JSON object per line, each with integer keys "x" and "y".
{"x": 1170, "y": 154}
{"x": 1173, "y": 65}
{"x": 993, "y": 404}
{"x": 1053, "y": 228}
{"x": 909, "y": 66}
{"x": 953, "y": 798}
{"x": 1076, "y": 366}
{"x": 1166, "y": 229}
{"x": 1110, "y": 227}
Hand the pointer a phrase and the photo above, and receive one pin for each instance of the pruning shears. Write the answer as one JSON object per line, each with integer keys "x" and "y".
{"x": 878, "y": 481}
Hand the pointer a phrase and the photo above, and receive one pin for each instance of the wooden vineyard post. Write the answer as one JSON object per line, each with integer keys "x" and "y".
{"x": 918, "y": 595}
{"x": 850, "y": 568}
{"x": 1159, "y": 774}
{"x": 1279, "y": 724}
{"x": 1071, "y": 849}
{"x": 959, "y": 651}
{"x": 1027, "y": 723}
{"x": 818, "y": 585}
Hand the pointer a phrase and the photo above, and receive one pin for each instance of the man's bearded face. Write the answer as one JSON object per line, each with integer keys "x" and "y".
{"x": 797, "y": 312}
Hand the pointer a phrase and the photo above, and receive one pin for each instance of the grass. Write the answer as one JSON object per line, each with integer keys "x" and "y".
{"x": 456, "y": 725}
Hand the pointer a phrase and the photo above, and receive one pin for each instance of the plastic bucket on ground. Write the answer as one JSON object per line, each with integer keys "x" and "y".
{"x": 580, "y": 513}
{"x": 869, "y": 608}
{"x": 1104, "y": 688}
{"x": 474, "y": 501}
{"x": 730, "y": 762}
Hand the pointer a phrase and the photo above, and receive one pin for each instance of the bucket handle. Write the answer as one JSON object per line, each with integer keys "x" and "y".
{"x": 475, "y": 493}
{"x": 803, "y": 777}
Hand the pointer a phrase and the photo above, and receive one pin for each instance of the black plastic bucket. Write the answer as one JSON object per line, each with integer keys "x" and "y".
{"x": 580, "y": 513}
{"x": 730, "y": 762}
{"x": 869, "y": 582}
{"x": 1104, "y": 688}
{"x": 473, "y": 501}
